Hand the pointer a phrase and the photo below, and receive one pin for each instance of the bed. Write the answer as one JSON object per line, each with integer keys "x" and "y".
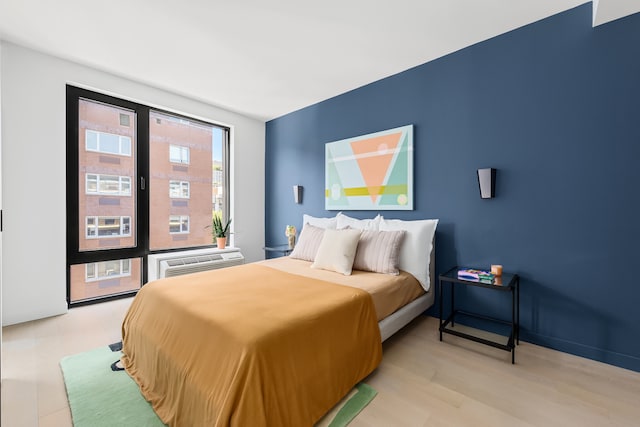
{"x": 268, "y": 343}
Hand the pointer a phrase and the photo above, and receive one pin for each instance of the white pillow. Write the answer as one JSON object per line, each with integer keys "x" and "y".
{"x": 319, "y": 222}
{"x": 308, "y": 243}
{"x": 337, "y": 251}
{"x": 415, "y": 252}
{"x": 344, "y": 221}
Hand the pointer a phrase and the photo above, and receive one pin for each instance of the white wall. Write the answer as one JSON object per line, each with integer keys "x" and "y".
{"x": 33, "y": 173}
{"x": 1, "y": 366}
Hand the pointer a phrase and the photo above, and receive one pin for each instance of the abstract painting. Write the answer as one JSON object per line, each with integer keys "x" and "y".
{"x": 370, "y": 172}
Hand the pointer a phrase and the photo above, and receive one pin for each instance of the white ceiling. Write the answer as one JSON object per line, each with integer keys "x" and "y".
{"x": 608, "y": 10}
{"x": 266, "y": 58}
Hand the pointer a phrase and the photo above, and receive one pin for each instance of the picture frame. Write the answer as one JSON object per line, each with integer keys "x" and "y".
{"x": 370, "y": 172}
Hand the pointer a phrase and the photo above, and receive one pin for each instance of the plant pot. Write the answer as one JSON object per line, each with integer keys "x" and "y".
{"x": 222, "y": 242}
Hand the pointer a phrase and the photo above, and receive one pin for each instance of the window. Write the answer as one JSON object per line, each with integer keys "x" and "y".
{"x": 178, "y": 224}
{"x": 178, "y": 154}
{"x": 118, "y": 203}
{"x": 107, "y": 270}
{"x": 204, "y": 182}
{"x": 179, "y": 189}
{"x": 125, "y": 120}
{"x": 109, "y": 143}
{"x": 95, "y": 280}
{"x": 106, "y": 226}
{"x": 108, "y": 184}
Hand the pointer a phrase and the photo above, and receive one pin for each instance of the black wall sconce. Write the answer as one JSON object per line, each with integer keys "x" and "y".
{"x": 297, "y": 194}
{"x": 487, "y": 183}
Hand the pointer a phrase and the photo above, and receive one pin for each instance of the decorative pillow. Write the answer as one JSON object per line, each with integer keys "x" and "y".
{"x": 416, "y": 247}
{"x": 337, "y": 251}
{"x": 379, "y": 251}
{"x": 308, "y": 243}
{"x": 344, "y": 221}
{"x": 319, "y": 222}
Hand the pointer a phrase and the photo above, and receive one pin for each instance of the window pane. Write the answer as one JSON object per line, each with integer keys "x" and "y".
{"x": 109, "y": 143}
{"x": 91, "y": 227}
{"x": 99, "y": 279}
{"x": 111, "y": 173}
{"x": 125, "y": 185}
{"x": 174, "y": 224}
{"x": 126, "y": 226}
{"x": 91, "y": 139}
{"x": 108, "y": 268}
{"x": 186, "y": 157}
{"x": 92, "y": 183}
{"x": 184, "y": 221}
{"x": 174, "y": 188}
{"x": 174, "y": 154}
{"x": 108, "y": 226}
{"x": 125, "y": 145}
{"x": 91, "y": 271}
{"x": 218, "y": 143}
{"x": 109, "y": 184}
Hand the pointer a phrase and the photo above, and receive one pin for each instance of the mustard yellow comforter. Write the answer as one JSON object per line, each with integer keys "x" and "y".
{"x": 248, "y": 346}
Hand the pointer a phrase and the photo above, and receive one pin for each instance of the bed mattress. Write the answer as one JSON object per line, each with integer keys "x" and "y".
{"x": 389, "y": 293}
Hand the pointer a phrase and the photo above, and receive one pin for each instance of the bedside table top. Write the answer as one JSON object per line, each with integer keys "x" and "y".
{"x": 504, "y": 282}
{"x": 278, "y": 248}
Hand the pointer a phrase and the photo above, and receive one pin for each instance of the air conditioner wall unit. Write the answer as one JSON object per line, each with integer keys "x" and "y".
{"x": 171, "y": 264}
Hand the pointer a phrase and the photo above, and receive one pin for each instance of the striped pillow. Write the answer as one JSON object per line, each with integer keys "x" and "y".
{"x": 308, "y": 243}
{"x": 379, "y": 251}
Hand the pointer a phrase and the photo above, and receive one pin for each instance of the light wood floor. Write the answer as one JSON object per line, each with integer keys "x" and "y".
{"x": 421, "y": 381}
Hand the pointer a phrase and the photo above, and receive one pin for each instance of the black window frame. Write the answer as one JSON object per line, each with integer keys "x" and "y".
{"x": 74, "y": 256}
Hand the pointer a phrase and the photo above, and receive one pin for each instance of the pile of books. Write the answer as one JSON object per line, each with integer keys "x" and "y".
{"x": 476, "y": 275}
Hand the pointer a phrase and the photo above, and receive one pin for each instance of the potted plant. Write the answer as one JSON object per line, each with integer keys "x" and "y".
{"x": 219, "y": 231}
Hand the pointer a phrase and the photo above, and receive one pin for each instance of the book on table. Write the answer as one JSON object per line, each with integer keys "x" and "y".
{"x": 474, "y": 275}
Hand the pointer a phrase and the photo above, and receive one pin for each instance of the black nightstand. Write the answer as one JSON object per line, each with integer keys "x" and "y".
{"x": 506, "y": 283}
{"x": 281, "y": 250}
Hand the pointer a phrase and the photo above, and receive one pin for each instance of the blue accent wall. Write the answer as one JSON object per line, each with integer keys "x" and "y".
{"x": 555, "y": 108}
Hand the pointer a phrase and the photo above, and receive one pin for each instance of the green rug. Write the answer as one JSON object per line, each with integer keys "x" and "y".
{"x": 100, "y": 397}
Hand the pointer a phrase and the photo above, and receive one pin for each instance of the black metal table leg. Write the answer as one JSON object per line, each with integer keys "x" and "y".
{"x": 518, "y": 308}
{"x": 453, "y": 294}
{"x": 513, "y": 326}
{"x": 440, "y": 303}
